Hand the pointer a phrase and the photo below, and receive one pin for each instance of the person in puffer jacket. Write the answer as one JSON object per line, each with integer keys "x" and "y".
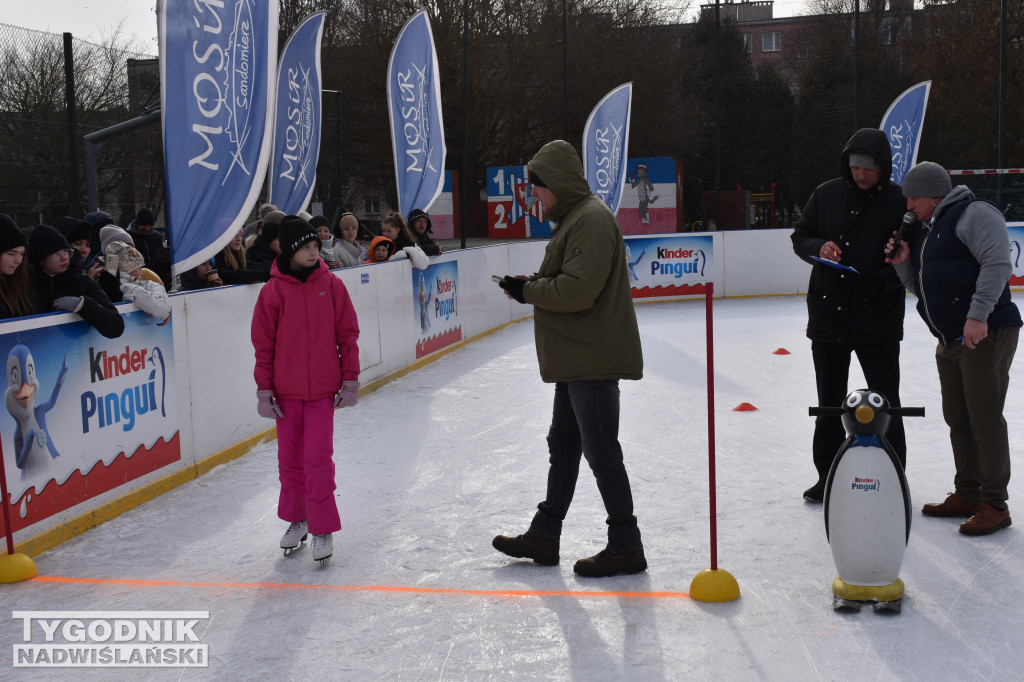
{"x": 847, "y": 222}
{"x": 305, "y": 334}
{"x": 125, "y": 262}
{"x": 587, "y": 340}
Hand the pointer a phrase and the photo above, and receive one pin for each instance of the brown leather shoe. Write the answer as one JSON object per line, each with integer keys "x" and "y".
{"x": 986, "y": 520}
{"x": 953, "y": 505}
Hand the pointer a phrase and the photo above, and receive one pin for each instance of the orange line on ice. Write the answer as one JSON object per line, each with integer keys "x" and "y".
{"x": 363, "y": 588}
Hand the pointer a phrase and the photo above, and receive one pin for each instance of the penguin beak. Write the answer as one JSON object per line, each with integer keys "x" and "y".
{"x": 864, "y": 414}
{"x": 24, "y": 394}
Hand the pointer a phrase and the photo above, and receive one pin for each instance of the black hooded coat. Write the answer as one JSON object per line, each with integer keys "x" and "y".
{"x": 842, "y": 306}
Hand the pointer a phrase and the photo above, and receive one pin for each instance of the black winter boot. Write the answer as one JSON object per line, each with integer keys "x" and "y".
{"x": 543, "y": 551}
{"x": 607, "y": 563}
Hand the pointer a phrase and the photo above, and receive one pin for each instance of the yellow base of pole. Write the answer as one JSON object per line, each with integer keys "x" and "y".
{"x": 714, "y": 585}
{"x": 16, "y": 567}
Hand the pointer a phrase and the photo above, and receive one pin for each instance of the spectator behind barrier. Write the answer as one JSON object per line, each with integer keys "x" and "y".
{"x": 264, "y": 250}
{"x": 323, "y": 232}
{"x": 79, "y": 234}
{"x": 394, "y": 228}
{"x": 150, "y": 244}
{"x": 125, "y": 263}
{"x": 380, "y": 250}
{"x": 232, "y": 265}
{"x": 17, "y": 298}
{"x": 203, "y": 276}
{"x": 347, "y": 247}
{"x": 419, "y": 225}
{"x": 60, "y": 284}
{"x": 252, "y": 229}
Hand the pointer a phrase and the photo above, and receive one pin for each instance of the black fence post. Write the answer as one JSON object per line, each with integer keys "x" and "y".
{"x": 74, "y": 189}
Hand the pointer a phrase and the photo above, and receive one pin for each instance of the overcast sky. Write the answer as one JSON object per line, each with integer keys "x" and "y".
{"x": 92, "y": 19}
{"x": 86, "y": 19}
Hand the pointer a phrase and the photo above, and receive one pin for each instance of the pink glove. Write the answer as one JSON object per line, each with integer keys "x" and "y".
{"x": 267, "y": 406}
{"x": 348, "y": 395}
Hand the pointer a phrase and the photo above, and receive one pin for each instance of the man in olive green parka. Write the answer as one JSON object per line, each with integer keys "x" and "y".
{"x": 587, "y": 340}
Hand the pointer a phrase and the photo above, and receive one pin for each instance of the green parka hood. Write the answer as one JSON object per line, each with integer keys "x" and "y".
{"x": 559, "y": 166}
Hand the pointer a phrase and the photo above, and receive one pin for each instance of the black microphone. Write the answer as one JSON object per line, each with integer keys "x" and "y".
{"x": 908, "y": 219}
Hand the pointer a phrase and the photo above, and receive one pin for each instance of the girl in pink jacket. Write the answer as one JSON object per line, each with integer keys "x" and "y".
{"x": 305, "y": 333}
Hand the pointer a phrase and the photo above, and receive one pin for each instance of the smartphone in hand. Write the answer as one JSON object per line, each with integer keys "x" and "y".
{"x": 496, "y": 279}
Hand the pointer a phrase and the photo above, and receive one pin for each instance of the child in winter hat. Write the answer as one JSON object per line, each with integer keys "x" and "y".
{"x": 125, "y": 262}
{"x": 305, "y": 334}
{"x": 44, "y": 241}
{"x": 11, "y": 236}
{"x": 293, "y": 234}
{"x": 113, "y": 233}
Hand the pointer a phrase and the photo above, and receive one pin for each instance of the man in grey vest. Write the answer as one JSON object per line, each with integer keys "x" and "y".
{"x": 959, "y": 268}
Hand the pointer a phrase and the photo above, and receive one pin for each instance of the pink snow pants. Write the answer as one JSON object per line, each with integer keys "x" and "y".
{"x": 305, "y": 450}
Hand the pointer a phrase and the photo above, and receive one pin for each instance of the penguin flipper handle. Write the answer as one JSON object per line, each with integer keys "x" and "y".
{"x": 825, "y": 411}
{"x": 906, "y": 411}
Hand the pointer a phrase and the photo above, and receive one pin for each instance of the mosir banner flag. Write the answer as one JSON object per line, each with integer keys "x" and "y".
{"x": 217, "y": 63}
{"x": 414, "y": 105}
{"x": 902, "y": 124}
{"x": 298, "y": 116}
{"x": 605, "y": 143}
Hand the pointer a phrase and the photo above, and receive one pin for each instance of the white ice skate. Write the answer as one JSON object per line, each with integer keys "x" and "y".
{"x": 323, "y": 547}
{"x": 293, "y": 537}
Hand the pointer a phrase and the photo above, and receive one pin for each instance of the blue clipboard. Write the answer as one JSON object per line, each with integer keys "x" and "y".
{"x": 833, "y": 264}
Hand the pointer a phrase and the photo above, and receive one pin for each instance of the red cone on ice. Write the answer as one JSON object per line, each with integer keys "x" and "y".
{"x": 780, "y": 351}
{"x": 744, "y": 407}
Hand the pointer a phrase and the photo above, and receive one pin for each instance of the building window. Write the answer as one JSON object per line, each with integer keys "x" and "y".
{"x": 371, "y": 205}
{"x": 771, "y": 42}
{"x": 748, "y": 42}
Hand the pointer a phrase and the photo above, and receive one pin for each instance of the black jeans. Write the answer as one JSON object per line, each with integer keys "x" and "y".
{"x": 585, "y": 422}
{"x": 881, "y": 365}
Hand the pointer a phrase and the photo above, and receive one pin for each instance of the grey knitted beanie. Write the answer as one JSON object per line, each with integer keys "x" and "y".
{"x": 927, "y": 179}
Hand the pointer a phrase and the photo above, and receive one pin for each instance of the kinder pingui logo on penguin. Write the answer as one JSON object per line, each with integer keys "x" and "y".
{"x": 865, "y": 484}
{"x": 679, "y": 262}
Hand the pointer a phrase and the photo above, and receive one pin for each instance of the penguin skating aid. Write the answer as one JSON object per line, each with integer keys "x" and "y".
{"x": 867, "y": 504}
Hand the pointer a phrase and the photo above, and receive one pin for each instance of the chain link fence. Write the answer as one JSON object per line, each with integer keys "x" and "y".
{"x": 42, "y": 173}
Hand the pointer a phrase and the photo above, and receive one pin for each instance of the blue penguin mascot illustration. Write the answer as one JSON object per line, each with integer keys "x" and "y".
{"x": 632, "y": 264}
{"x": 867, "y": 504}
{"x": 34, "y": 449}
{"x": 423, "y": 296}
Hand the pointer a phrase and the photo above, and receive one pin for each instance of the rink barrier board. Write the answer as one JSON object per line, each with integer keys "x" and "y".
{"x": 67, "y": 530}
{"x": 751, "y": 263}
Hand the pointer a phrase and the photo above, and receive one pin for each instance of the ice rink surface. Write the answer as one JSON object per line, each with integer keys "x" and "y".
{"x": 431, "y": 466}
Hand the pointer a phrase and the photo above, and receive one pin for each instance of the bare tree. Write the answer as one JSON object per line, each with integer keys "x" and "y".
{"x": 34, "y": 122}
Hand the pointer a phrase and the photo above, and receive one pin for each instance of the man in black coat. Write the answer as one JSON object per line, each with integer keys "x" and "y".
{"x": 147, "y": 240}
{"x": 419, "y": 225}
{"x": 60, "y": 284}
{"x": 847, "y": 221}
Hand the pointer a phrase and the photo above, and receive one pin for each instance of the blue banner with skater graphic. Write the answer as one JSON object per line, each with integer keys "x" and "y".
{"x": 217, "y": 63}
{"x": 298, "y": 118}
{"x": 902, "y": 124}
{"x": 414, "y": 107}
{"x": 606, "y": 144}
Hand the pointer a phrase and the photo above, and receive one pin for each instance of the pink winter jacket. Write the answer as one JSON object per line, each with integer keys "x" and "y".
{"x": 305, "y": 335}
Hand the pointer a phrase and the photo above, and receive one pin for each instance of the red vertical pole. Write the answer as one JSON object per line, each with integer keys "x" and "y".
{"x": 6, "y": 505}
{"x": 709, "y": 290}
